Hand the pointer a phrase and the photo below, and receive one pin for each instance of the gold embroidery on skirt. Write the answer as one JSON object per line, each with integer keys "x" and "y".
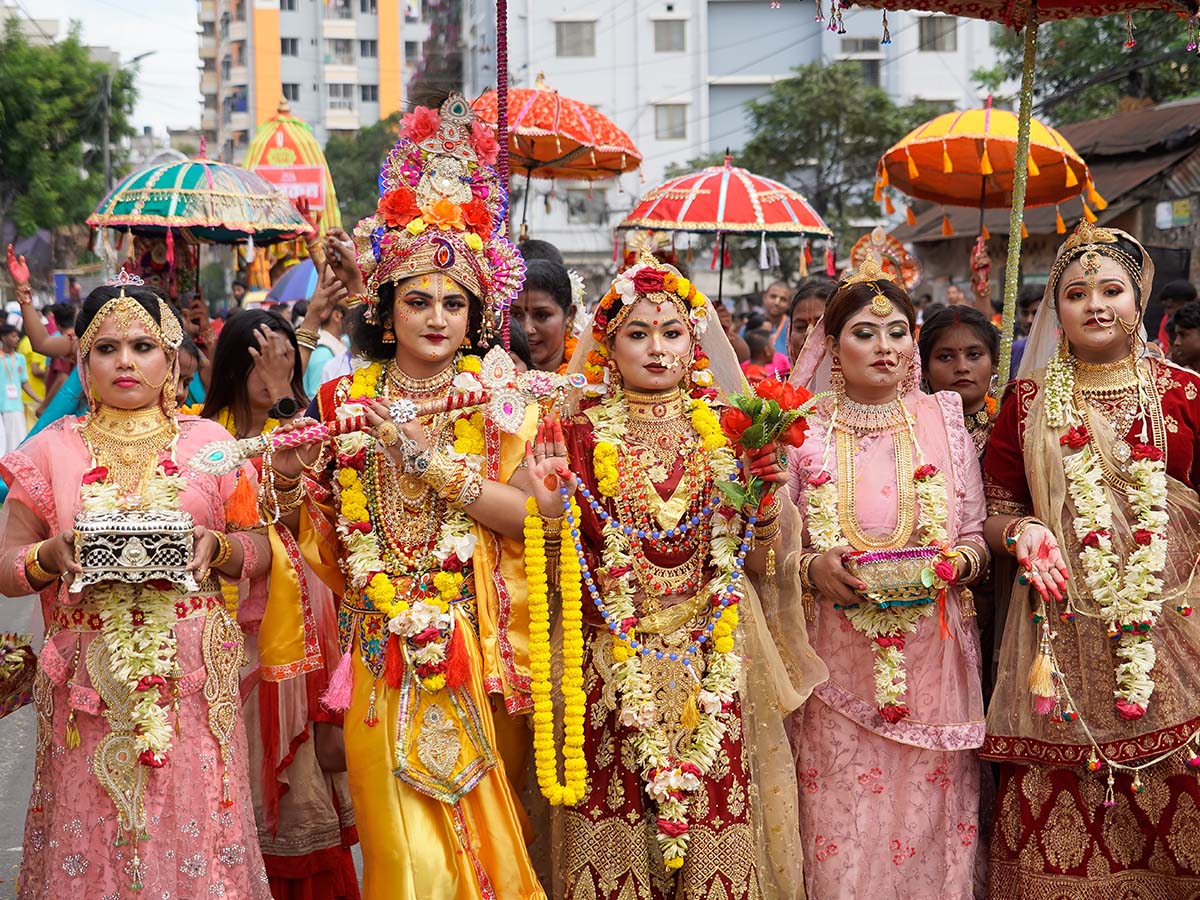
{"x": 438, "y": 745}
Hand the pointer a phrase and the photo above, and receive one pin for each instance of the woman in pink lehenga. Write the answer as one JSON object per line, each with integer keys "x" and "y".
{"x": 141, "y": 783}
{"x": 885, "y": 749}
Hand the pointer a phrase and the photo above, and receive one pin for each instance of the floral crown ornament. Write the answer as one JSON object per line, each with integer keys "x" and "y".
{"x": 1087, "y": 243}
{"x": 441, "y": 209}
{"x": 168, "y": 332}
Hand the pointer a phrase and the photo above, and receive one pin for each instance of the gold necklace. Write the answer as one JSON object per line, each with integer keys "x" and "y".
{"x": 868, "y": 418}
{"x": 656, "y": 424}
{"x": 1107, "y": 379}
{"x": 979, "y": 426}
{"x": 405, "y": 385}
{"x": 128, "y": 442}
{"x": 847, "y": 450}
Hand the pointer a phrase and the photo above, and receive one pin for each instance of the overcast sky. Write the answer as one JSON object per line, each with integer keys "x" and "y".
{"x": 169, "y": 83}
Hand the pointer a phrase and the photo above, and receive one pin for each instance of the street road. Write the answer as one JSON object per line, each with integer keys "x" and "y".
{"x": 17, "y": 734}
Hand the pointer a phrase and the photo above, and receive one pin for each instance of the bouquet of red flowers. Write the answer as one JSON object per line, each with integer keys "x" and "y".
{"x": 770, "y": 419}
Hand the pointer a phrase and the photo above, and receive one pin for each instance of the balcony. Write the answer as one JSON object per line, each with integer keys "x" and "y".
{"x": 343, "y": 117}
{"x": 332, "y": 27}
{"x": 238, "y": 75}
{"x": 207, "y": 11}
{"x": 341, "y": 74}
{"x": 208, "y": 48}
{"x": 208, "y": 81}
{"x": 208, "y": 119}
{"x": 238, "y": 29}
{"x": 239, "y": 121}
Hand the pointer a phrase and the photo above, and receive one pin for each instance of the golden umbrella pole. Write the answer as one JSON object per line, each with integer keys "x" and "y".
{"x": 1012, "y": 270}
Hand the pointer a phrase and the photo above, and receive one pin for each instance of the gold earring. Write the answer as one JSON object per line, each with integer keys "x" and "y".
{"x": 389, "y": 336}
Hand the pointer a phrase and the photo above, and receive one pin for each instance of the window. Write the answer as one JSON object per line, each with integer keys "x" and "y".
{"x": 368, "y": 93}
{"x": 287, "y": 5}
{"x": 670, "y": 121}
{"x": 289, "y": 46}
{"x": 368, "y": 49}
{"x": 291, "y": 92}
{"x": 860, "y": 45}
{"x": 368, "y": 7}
{"x": 574, "y": 38}
{"x": 585, "y": 206}
{"x": 670, "y": 35}
{"x": 341, "y": 96}
{"x": 340, "y": 9}
{"x": 339, "y": 51}
{"x": 411, "y": 50}
{"x": 938, "y": 34}
{"x": 870, "y": 71}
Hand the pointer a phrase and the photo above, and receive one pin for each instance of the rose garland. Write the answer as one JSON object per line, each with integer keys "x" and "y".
{"x": 670, "y": 778}
{"x": 886, "y": 627}
{"x": 423, "y": 616}
{"x": 137, "y": 622}
{"x": 574, "y": 697}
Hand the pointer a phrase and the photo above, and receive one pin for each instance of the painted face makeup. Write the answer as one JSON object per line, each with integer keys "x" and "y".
{"x": 431, "y": 317}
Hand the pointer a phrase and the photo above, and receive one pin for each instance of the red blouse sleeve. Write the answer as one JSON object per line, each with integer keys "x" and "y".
{"x": 1004, "y": 483}
{"x": 1179, "y": 389}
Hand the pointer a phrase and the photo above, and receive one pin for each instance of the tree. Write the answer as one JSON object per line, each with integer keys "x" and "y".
{"x": 51, "y": 114}
{"x": 354, "y": 162}
{"x": 1083, "y": 72}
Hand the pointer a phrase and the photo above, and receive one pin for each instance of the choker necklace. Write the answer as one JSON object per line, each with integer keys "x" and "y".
{"x": 979, "y": 426}
{"x": 128, "y": 442}
{"x": 408, "y": 386}
{"x": 666, "y": 405}
{"x": 1108, "y": 379}
{"x": 868, "y": 418}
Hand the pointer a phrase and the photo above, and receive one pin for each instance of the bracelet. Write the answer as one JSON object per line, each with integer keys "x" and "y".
{"x": 807, "y": 600}
{"x": 976, "y": 562}
{"x": 224, "y": 551}
{"x": 306, "y": 338}
{"x": 290, "y": 499}
{"x": 1016, "y": 528}
{"x": 33, "y": 568}
{"x": 767, "y": 533}
{"x": 552, "y": 529}
{"x": 806, "y": 561}
{"x": 471, "y": 490}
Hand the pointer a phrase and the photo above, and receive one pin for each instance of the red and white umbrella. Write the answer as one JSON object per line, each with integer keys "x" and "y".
{"x": 726, "y": 199}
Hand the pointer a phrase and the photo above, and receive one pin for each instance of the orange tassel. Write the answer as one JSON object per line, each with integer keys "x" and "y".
{"x": 913, "y": 172}
{"x": 883, "y": 175}
{"x": 947, "y": 166}
{"x": 458, "y": 663}
{"x": 1024, "y": 232}
{"x": 909, "y": 216}
{"x": 888, "y": 206}
{"x": 1072, "y": 178}
{"x": 1087, "y": 211}
{"x": 878, "y": 191}
{"x": 985, "y": 234}
{"x": 393, "y": 662}
{"x": 241, "y": 509}
{"x": 947, "y": 229}
{"x": 944, "y": 632}
{"x": 1094, "y": 196}
{"x": 1059, "y": 225}
{"x": 985, "y": 164}
{"x": 1031, "y": 167}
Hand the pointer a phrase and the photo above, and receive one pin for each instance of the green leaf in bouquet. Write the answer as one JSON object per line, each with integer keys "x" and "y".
{"x": 752, "y": 437}
{"x": 735, "y": 492}
{"x": 927, "y": 577}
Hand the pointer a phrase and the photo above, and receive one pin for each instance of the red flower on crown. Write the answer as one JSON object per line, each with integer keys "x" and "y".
{"x": 648, "y": 281}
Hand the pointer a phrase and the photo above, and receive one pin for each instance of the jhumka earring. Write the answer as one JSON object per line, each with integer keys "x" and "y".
{"x": 389, "y": 336}
{"x": 836, "y": 380}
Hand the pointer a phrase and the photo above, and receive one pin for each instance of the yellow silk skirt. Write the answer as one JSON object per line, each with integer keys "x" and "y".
{"x": 416, "y": 847}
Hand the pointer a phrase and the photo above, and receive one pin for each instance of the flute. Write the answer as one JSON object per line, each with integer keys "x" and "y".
{"x": 223, "y": 457}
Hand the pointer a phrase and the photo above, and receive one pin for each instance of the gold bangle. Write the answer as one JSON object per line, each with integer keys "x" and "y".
{"x": 1016, "y": 528}
{"x": 471, "y": 491}
{"x": 552, "y": 529}
{"x": 767, "y": 533}
{"x": 224, "y": 551}
{"x": 806, "y": 561}
{"x": 33, "y": 568}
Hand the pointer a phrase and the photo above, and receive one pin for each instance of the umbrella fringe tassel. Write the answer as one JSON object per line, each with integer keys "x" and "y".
{"x": 909, "y": 216}
{"x": 985, "y": 234}
{"x": 888, "y": 206}
{"x": 947, "y": 166}
{"x": 1024, "y": 231}
{"x": 913, "y": 172}
{"x": 1059, "y": 225}
{"x": 1087, "y": 211}
{"x": 1031, "y": 167}
{"x": 947, "y": 228}
{"x": 1094, "y": 196}
{"x": 985, "y": 164}
{"x": 1072, "y": 178}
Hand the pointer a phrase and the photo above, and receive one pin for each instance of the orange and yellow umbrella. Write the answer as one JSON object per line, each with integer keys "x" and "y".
{"x": 969, "y": 159}
{"x": 286, "y": 153}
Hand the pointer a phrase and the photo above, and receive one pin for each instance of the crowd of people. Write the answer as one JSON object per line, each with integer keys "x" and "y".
{"x": 549, "y": 646}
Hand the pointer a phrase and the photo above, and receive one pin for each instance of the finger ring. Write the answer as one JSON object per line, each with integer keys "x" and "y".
{"x": 387, "y": 433}
{"x": 781, "y": 459}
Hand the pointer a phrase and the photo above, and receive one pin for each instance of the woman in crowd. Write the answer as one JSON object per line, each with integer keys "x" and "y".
{"x": 545, "y": 308}
{"x": 808, "y": 305}
{"x": 1091, "y": 475}
{"x": 301, "y": 798}
{"x": 688, "y": 790}
{"x": 417, "y": 528}
{"x": 890, "y": 490}
{"x": 959, "y": 352}
{"x": 140, "y": 779}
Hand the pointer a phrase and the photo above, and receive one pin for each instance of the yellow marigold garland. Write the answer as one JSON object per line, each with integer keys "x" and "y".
{"x": 574, "y": 698}
{"x": 604, "y": 462}
{"x": 468, "y": 433}
{"x": 707, "y": 425}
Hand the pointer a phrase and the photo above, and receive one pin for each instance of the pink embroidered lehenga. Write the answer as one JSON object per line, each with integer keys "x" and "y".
{"x": 197, "y": 838}
{"x": 891, "y": 809}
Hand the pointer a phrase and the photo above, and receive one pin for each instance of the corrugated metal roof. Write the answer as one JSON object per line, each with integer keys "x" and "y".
{"x": 1165, "y": 127}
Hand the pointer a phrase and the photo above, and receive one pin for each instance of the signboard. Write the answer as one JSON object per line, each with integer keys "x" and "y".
{"x": 297, "y": 182}
{"x": 1172, "y": 213}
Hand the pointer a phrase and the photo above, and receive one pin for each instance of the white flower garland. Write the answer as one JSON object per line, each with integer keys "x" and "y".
{"x": 885, "y": 627}
{"x": 137, "y": 623}
{"x": 670, "y": 778}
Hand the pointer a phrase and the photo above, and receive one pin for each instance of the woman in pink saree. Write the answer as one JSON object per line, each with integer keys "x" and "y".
{"x": 141, "y": 784}
{"x": 885, "y": 749}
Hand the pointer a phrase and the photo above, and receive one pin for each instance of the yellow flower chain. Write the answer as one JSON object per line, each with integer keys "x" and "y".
{"x": 468, "y": 434}
{"x": 707, "y": 425}
{"x": 604, "y": 462}
{"x": 574, "y": 698}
